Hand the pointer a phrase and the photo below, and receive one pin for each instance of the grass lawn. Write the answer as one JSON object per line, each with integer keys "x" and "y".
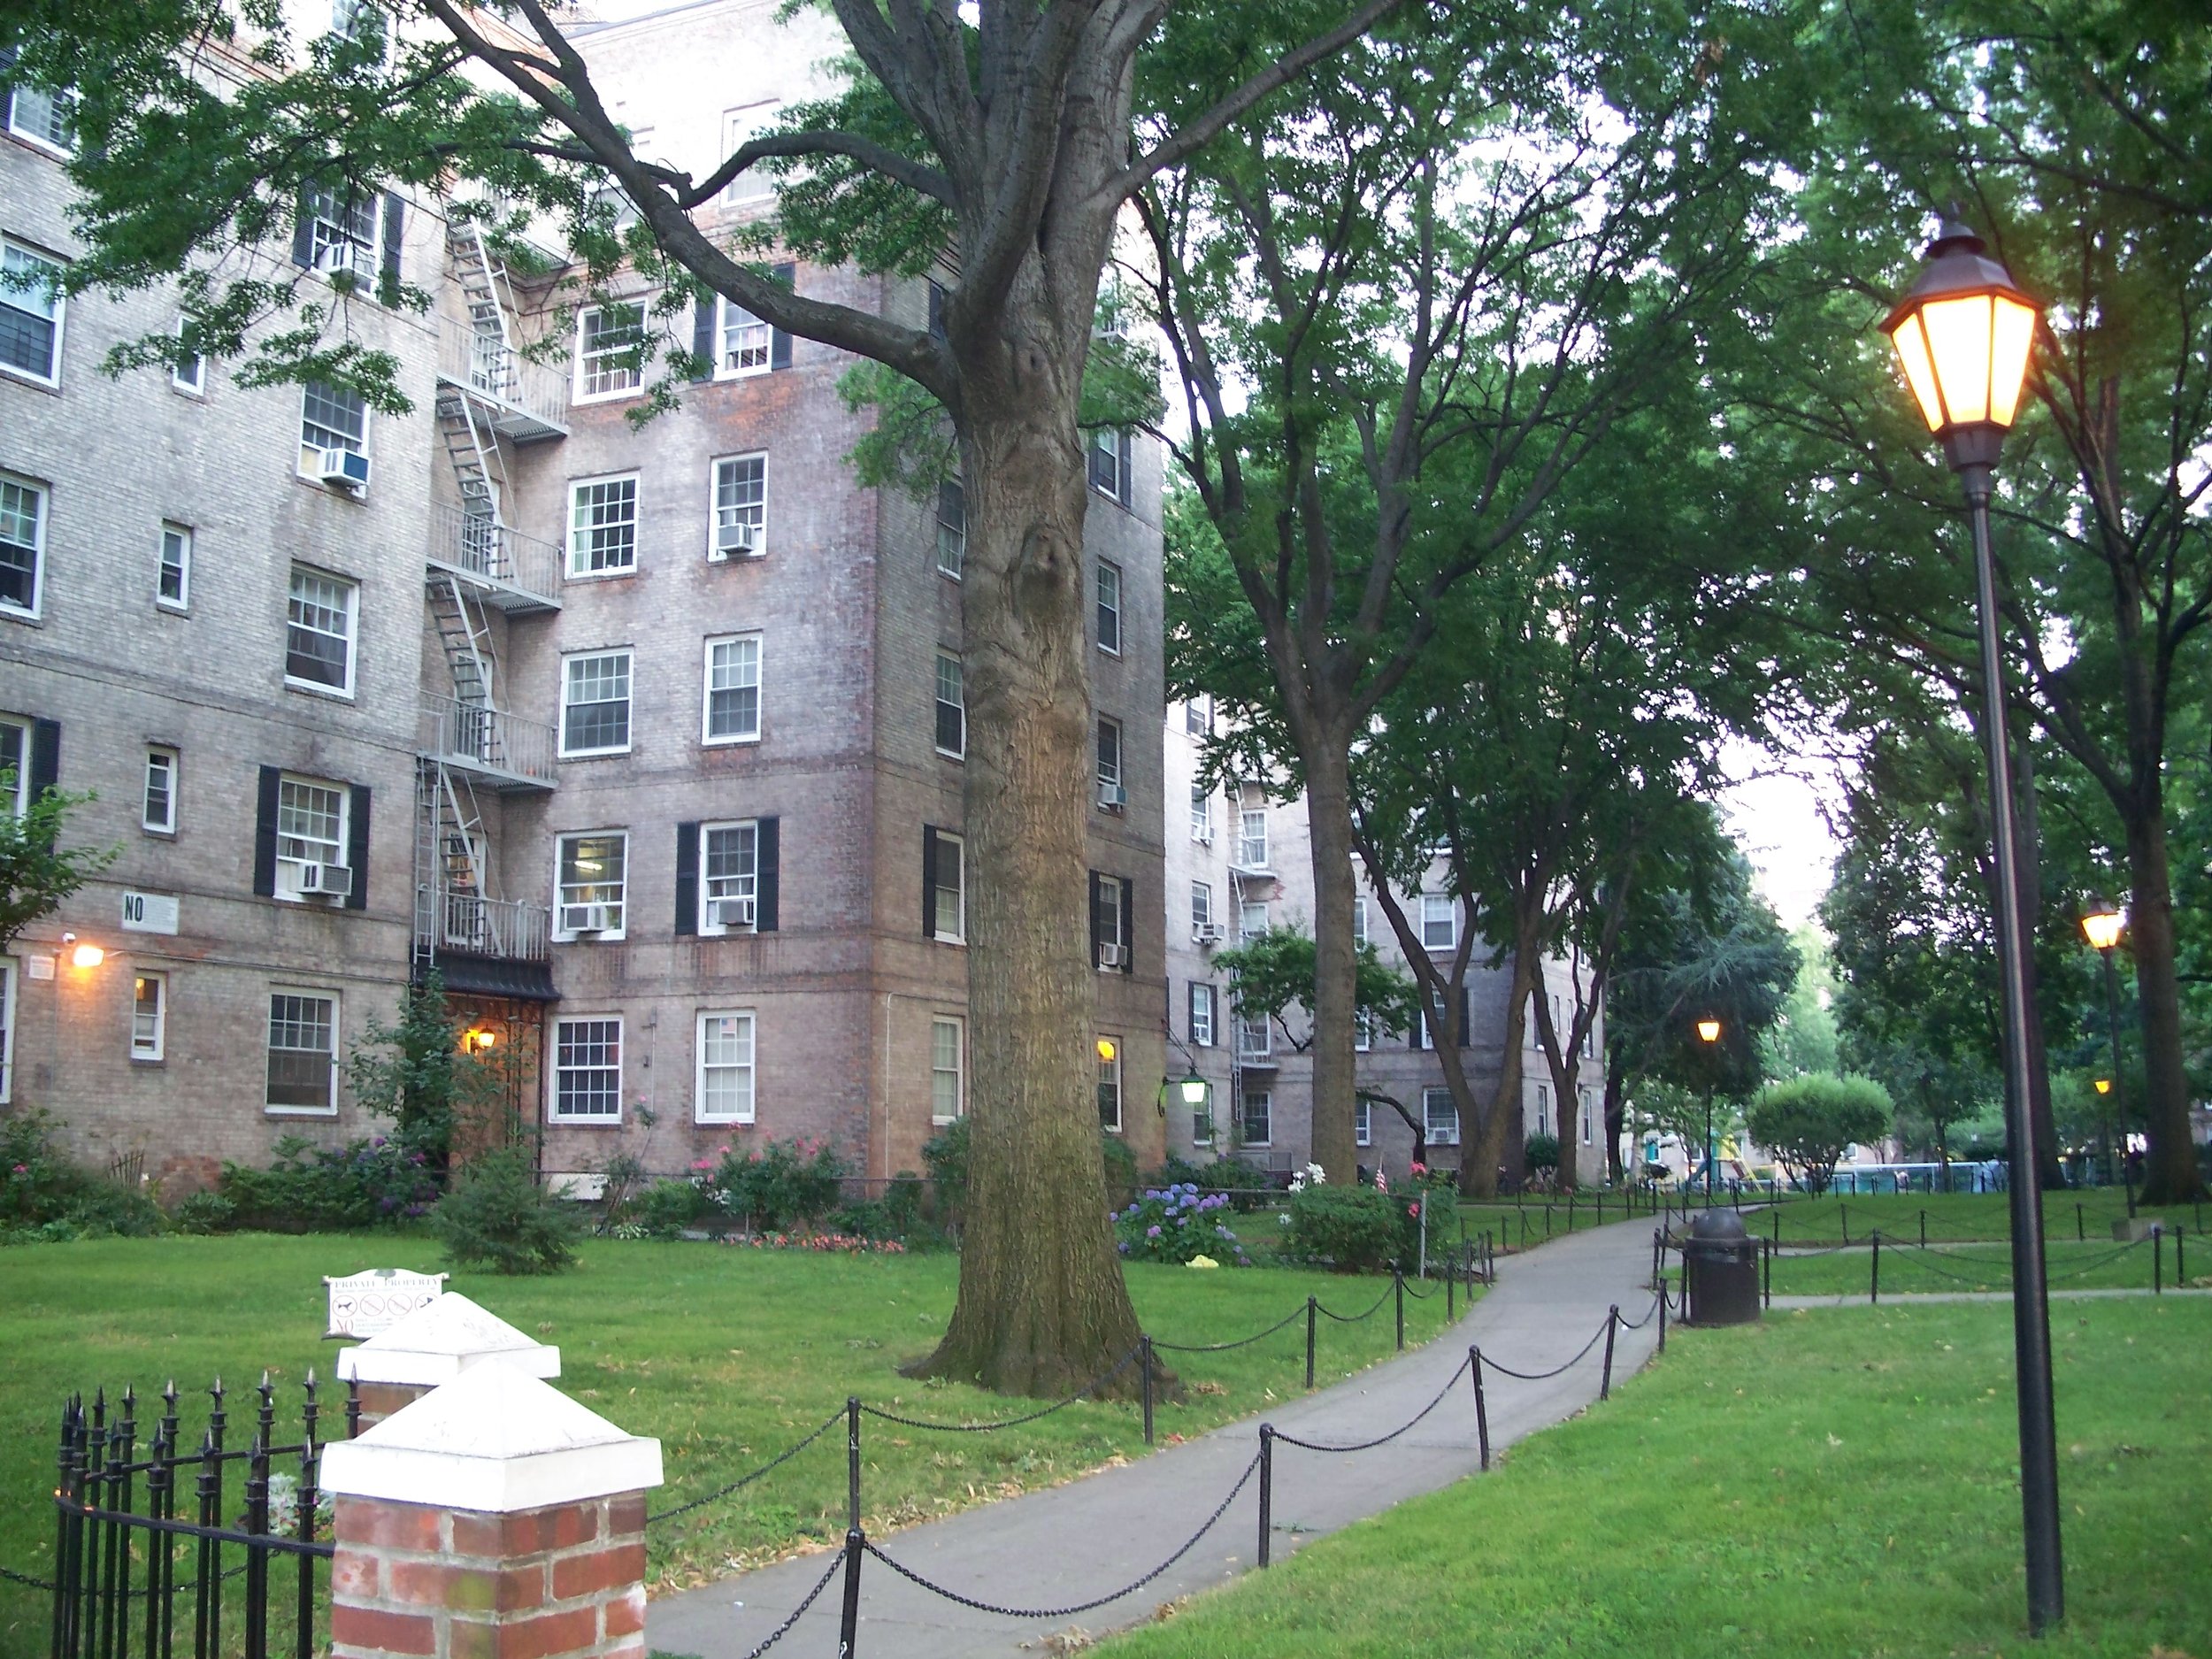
{"x": 1834, "y": 1483}
{"x": 728, "y": 1354}
{"x": 1965, "y": 1267}
{"x": 2084, "y": 1215}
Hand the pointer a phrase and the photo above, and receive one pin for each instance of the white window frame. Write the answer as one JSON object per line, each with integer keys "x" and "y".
{"x": 335, "y": 242}
{"x": 1363, "y": 1031}
{"x": 939, "y": 704}
{"x": 1359, "y": 921}
{"x": 562, "y": 888}
{"x": 576, "y": 565}
{"x": 1446, "y": 1135}
{"x": 159, "y": 757}
{"x": 22, "y": 728}
{"x": 1362, "y": 1122}
{"x": 1254, "y": 1026}
{"x": 726, "y": 311}
{"x": 12, "y": 297}
{"x": 1589, "y": 1118}
{"x": 181, "y": 535}
{"x": 1248, "y": 843}
{"x": 1435, "y": 907}
{"x": 629, "y": 700}
{"x": 749, "y": 1066}
{"x": 1116, "y": 774}
{"x": 753, "y": 513}
{"x": 1102, "y": 608}
{"x": 1198, "y": 716}
{"x": 952, "y": 539}
{"x": 330, "y": 1094}
{"x": 958, "y": 1071}
{"x": 1543, "y": 1109}
{"x": 149, "y": 1043}
{"x": 708, "y": 735}
{"x": 621, "y": 382}
{"x": 352, "y": 443}
{"x": 1204, "y": 995}
{"x": 52, "y": 103}
{"x": 42, "y": 508}
{"x": 1201, "y": 904}
{"x": 1110, "y": 894}
{"x": 1246, "y": 909}
{"x": 1110, "y": 1078}
{"x": 1266, "y": 1098}
{"x": 289, "y": 864}
{"x": 7, "y": 1030}
{"x": 196, "y": 384}
{"x": 739, "y": 125}
{"x": 745, "y": 884}
{"x": 1202, "y": 814}
{"x": 555, "y": 1072}
{"x": 957, "y": 935}
{"x": 350, "y": 591}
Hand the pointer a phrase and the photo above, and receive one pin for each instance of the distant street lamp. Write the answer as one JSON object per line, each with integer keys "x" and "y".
{"x": 2102, "y": 927}
{"x": 1962, "y": 336}
{"x": 1708, "y": 1033}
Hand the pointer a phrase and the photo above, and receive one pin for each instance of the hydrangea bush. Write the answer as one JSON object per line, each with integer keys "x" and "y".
{"x": 1174, "y": 1224}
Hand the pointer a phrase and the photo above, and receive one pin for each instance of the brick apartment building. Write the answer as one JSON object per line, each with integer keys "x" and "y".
{"x": 647, "y": 740}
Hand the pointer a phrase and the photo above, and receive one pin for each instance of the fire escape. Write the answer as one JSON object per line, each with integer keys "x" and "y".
{"x": 470, "y": 749}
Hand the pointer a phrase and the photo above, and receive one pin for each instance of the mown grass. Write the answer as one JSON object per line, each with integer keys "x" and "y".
{"x": 1907, "y": 1269}
{"x": 1835, "y": 1483}
{"x": 728, "y": 1354}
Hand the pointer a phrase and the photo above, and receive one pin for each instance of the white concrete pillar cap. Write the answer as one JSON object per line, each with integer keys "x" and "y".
{"x": 493, "y": 1441}
{"x": 440, "y": 1340}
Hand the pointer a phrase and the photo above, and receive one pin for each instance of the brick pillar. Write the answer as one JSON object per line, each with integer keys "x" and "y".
{"x": 431, "y": 1346}
{"x": 494, "y": 1519}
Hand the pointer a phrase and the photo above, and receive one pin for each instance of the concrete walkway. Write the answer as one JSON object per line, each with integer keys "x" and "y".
{"x": 1065, "y": 1546}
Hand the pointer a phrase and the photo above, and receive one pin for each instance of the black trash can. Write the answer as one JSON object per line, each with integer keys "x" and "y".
{"x": 1720, "y": 1270}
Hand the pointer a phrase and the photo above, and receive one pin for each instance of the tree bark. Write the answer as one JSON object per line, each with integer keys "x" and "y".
{"x": 1479, "y": 1176}
{"x": 1616, "y": 1123}
{"x": 2169, "y": 1168}
{"x": 1329, "y": 834}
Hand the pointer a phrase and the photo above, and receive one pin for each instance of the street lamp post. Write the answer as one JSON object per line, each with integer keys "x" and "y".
{"x": 2102, "y": 927}
{"x": 1708, "y": 1033}
{"x": 1962, "y": 337}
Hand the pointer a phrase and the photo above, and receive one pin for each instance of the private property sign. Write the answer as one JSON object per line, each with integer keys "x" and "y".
{"x": 362, "y": 1304}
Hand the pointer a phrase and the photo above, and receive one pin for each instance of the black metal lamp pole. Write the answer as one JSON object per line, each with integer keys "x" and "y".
{"x": 1963, "y": 334}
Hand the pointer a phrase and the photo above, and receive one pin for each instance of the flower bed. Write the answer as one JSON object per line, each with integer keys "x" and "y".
{"x": 1176, "y": 1223}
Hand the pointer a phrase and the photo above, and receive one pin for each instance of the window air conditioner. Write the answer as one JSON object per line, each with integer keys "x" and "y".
{"x": 1203, "y": 837}
{"x": 1206, "y": 934}
{"x": 736, "y": 912}
{"x": 325, "y": 881}
{"x": 349, "y": 469}
{"x": 1110, "y": 956}
{"x": 1444, "y": 1137}
{"x": 736, "y": 541}
{"x": 586, "y": 918}
{"x": 1112, "y": 796}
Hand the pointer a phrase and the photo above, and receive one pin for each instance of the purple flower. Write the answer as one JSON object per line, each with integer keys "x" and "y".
{"x": 1152, "y": 1232}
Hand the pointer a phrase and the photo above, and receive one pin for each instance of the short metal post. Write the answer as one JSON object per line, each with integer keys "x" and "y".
{"x": 1612, "y": 1325}
{"x": 2081, "y": 1226}
{"x": 1843, "y": 1214}
{"x": 1451, "y": 1283}
{"x": 1311, "y": 1305}
{"x": 1766, "y": 1288}
{"x": 2158, "y": 1260}
{"x": 1874, "y": 1279}
{"x": 1144, "y": 1359}
{"x": 2181, "y": 1273}
{"x": 1655, "y": 1256}
{"x": 1777, "y": 1218}
{"x": 1547, "y": 1218}
{"x": 849, "y": 1617}
{"x": 1482, "y": 1408}
{"x": 1398, "y": 1289}
{"x": 1923, "y": 1229}
{"x": 1570, "y": 1209}
{"x": 1267, "y": 1488}
{"x": 1663, "y": 1316}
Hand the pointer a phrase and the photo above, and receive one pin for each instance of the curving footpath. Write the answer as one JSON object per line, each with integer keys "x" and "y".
{"x": 1063, "y": 1546}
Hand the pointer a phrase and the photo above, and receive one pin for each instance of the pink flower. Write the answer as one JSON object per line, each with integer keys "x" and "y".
{"x": 1420, "y": 1169}
{"x": 1414, "y": 1211}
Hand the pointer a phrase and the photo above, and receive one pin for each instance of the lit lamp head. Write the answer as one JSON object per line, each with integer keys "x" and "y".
{"x": 82, "y": 956}
{"x": 1193, "y": 1088}
{"x": 2104, "y": 1086}
{"x": 2102, "y": 927}
{"x": 480, "y": 1039}
{"x": 1709, "y": 1031}
{"x": 1962, "y": 336}
{"x": 1106, "y": 1050}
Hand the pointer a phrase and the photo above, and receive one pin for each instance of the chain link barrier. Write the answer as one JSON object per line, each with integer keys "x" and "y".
{"x": 1451, "y": 1382}
{"x": 798, "y": 1612}
{"x": 1085, "y": 1393}
{"x": 746, "y": 1480}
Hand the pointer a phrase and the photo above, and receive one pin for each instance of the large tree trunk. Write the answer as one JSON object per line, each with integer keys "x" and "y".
{"x": 2169, "y": 1169}
{"x": 1042, "y": 1308}
{"x": 1479, "y": 1174}
{"x": 1616, "y": 1123}
{"x": 1335, "y": 969}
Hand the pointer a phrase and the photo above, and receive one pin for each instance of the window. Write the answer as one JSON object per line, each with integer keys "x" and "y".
{"x": 739, "y": 126}
{"x": 30, "y": 313}
{"x": 1198, "y": 716}
{"x": 1543, "y": 1109}
{"x": 1110, "y": 1086}
{"x": 188, "y": 373}
{"x": 593, "y": 884}
{"x": 949, "y": 889}
{"x": 1359, "y": 919}
{"x": 1204, "y": 1005}
{"x": 1255, "y": 1039}
{"x": 1110, "y": 457}
{"x": 319, "y": 632}
{"x": 587, "y": 1071}
{"x": 331, "y": 418}
{"x": 610, "y": 360}
{"x": 358, "y": 21}
{"x": 303, "y": 1053}
{"x": 1589, "y": 1127}
{"x": 1363, "y": 1124}
{"x": 44, "y": 118}
{"x": 952, "y": 527}
{"x": 22, "y": 540}
{"x": 1439, "y": 921}
{"x": 1113, "y": 949}
{"x": 1258, "y": 1128}
{"x": 15, "y": 758}
{"x": 601, "y": 525}
{"x": 7, "y": 1030}
{"x": 596, "y": 703}
{"x": 948, "y": 1092}
{"x": 741, "y": 507}
{"x": 1251, "y": 918}
{"x": 1363, "y": 1031}
{"x": 1109, "y": 607}
{"x": 158, "y": 814}
{"x": 311, "y": 826}
{"x": 1440, "y": 1114}
{"x": 172, "y": 580}
{"x": 340, "y": 229}
{"x": 952, "y": 707}
{"x": 742, "y": 342}
{"x": 1201, "y": 906}
{"x": 1111, "y": 790}
{"x": 725, "y": 1084}
{"x": 1252, "y": 829}
{"x": 732, "y": 707}
{"x": 1202, "y": 815}
{"x": 150, "y": 1015}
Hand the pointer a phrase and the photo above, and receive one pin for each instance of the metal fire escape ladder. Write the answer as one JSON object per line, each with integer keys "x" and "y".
{"x": 468, "y": 654}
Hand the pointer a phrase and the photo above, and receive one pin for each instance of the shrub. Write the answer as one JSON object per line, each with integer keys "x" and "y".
{"x": 1354, "y": 1229}
{"x": 783, "y": 1185}
{"x": 1173, "y": 1224}
{"x": 1121, "y": 1167}
{"x": 665, "y": 1208}
{"x": 316, "y": 1189}
{"x": 1810, "y": 1120}
{"x": 1248, "y": 1186}
{"x": 1539, "y": 1152}
{"x": 204, "y": 1212}
{"x": 498, "y": 1217}
{"x": 43, "y": 1192}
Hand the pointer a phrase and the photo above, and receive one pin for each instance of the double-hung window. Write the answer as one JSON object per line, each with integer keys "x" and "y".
{"x": 742, "y": 342}
{"x": 158, "y": 813}
{"x": 1251, "y": 918}
{"x": 587, "y": 1070}
{"x": 313, "y": 825}
{"x": 603, "y": 525}
{"x": 1363, "y": 1124}
{"x": 1439, "y": 921}
{"x": 596, "y": 703}
{"x": 319, "y": 632}
{"x": 22, "y": 542}
{"x": 592, "y": 884}
{"x": 1363, "y": 1031}
{"x": 729, "y": 878}
{"x": 1110, "y": 1084}
{"x": 15, "y": 760}
{"x": 1440, "y": 1115}
{"x": 30, "y": 313}
{"x": 1204, "y": 1008}
{"x": 949, "y": 888}
{"x": 1589, "y": 1125}
{"x": 1198, "y": 716}
{"x": 1109, "y": 596}
{"x": 610, "y": 354}
{"x": 1252, "y": 829}
{"x": 1113, "y": 948}
{"x": 341, "y": 230}
{"x": 952, "y": 527}
{"x": 1255, "y": 1041}
{"x": 188, "y": 373}
{"x": 172, "y": 577}
{"x": 1359, "y": 921}
{"x": 947, "y": 1069}
{"x": 1202, "y": 814}
{"x": 1201, "y": 908}
{"x": 302, "y": 1073}
{"x": 739, "y": 126}
{"x": 46, "y": 118}
{"x": 732, "y": 695}
{"x": 724, "y": 1088}
{"x": 331, "y": 418}
{"x": 1112, "y": 794}
{"x": 1258, "y": 1128}
{"x": 1110, "y": 454}
{"x": 952, "y": 707}
{"x": 740, "y": 507}
{"x": 1543, "y": 1109}
{"x": 149, "y": 1016}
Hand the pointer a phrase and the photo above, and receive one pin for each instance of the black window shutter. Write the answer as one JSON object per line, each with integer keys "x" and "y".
{"x": 703, "y": 336}
{"x": 45, "y": 758}
{"x": 1465, "y": 1041}
{"x": 1097, "y": 940}
{"x": 357, "y": 848}
{"x": 1128, "y": 925}
{"x": 304, "y": 236}
{"x": 395, "y": 233}
{"x": 769, "y": 854}
{"x": 929, "y": 882}
{"x": 1127, "y": 449}
{"x": 688, "y": 878}
{"x": 7, "y": 94}
{"x": 936, "y": 309}
{"x": 1196, "y": 998}
{"x": 264, "y": 835}
{"x": 779, "y": 342}
{"x": 1099, "y": 480}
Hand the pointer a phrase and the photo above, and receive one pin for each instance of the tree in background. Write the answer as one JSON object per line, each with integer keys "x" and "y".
{"x": 1811, "y": 1121}
{"x": 36, "y": 873}
{"x": 1804, "y": 1037}
{"x": 444, "y": 1096}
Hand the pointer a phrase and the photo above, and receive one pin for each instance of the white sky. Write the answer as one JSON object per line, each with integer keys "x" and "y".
{"x": 1776, "y": 817}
